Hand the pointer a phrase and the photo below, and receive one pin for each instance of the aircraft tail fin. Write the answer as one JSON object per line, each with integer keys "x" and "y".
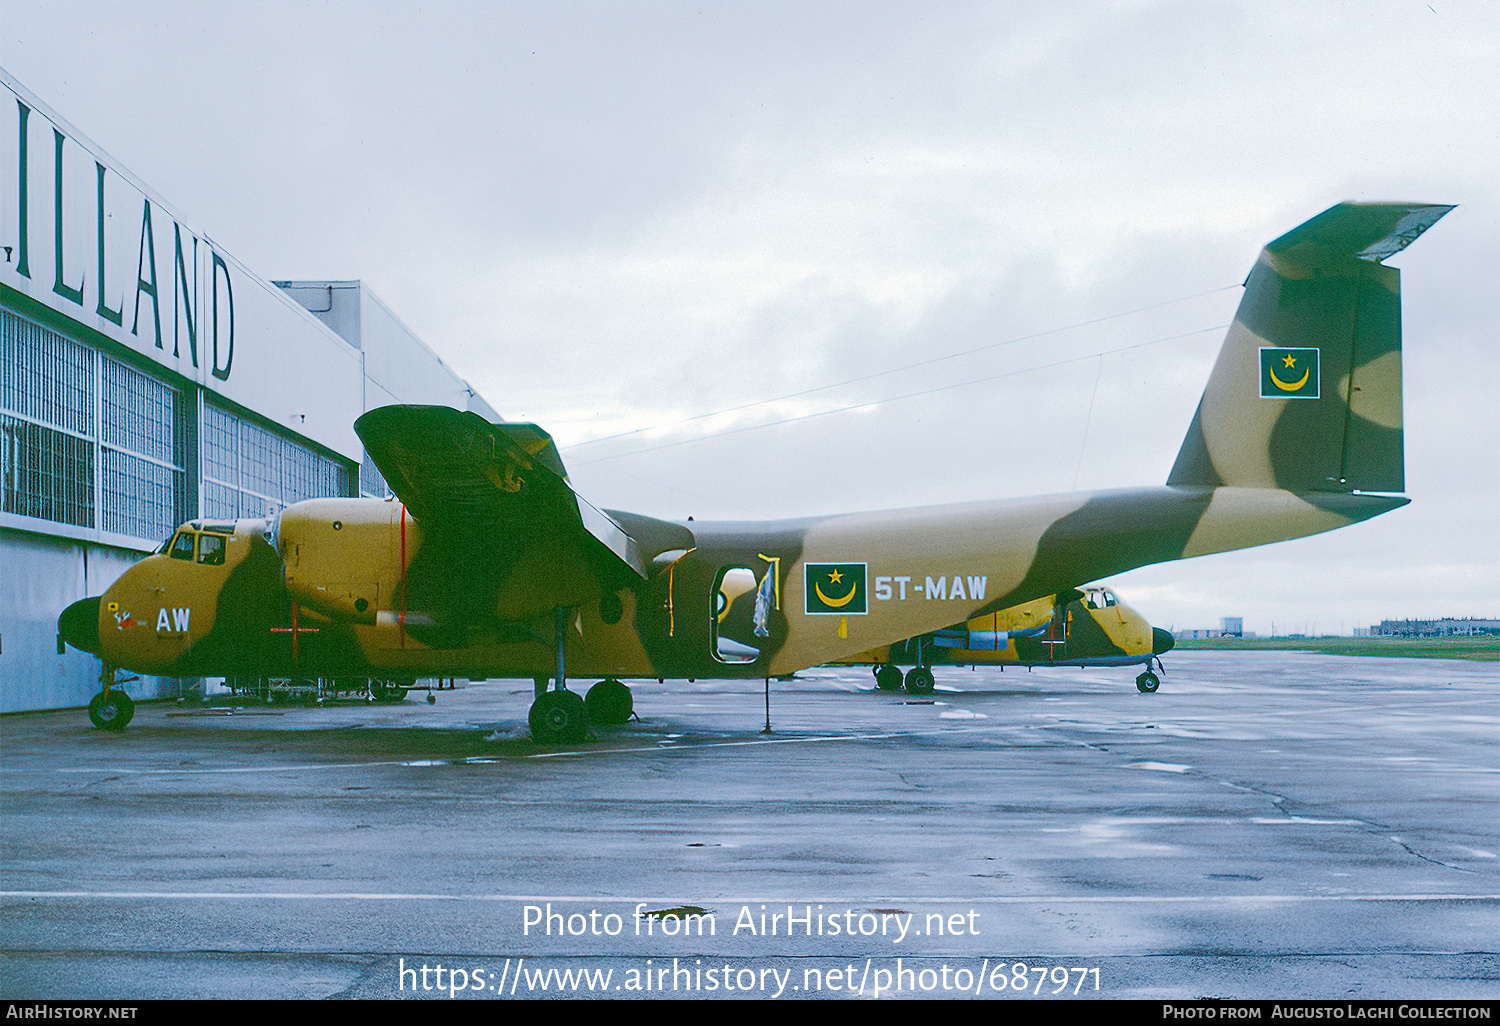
{"x": 1306, "y": 393}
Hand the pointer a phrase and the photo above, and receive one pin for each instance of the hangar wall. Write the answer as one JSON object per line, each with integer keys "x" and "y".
{"x": 148, "y": 378}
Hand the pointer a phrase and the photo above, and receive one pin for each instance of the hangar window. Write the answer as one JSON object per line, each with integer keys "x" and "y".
{"x": 47, "y": 392}
{"x": 251, "y": 471}
{"x": 140, "y": 496}
{"x": 85, "y": 439}
{"x": 44, "y": 377}
{"x": 371, "y": 482}
{"x": 45, "y": 473}
{"x": 95, "y": 442}
{"x": 141, "y": 453}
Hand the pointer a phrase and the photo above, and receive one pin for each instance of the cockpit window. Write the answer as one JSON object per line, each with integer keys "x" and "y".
{"x": 182, "y": 545}
{"x": 211, "y": 550}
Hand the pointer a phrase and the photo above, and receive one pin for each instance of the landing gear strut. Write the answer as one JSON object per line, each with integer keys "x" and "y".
{"x": 562, "y": 717}
{"x": 558, "y": 716}
{"x": 111, "y": 709}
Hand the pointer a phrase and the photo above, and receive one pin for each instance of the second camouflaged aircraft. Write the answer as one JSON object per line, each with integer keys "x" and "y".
{"x": 488, "y": 564}
{"x": 1091, "y": 627}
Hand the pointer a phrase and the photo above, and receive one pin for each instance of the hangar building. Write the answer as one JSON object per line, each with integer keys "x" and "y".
{"x": 148, "y": 378}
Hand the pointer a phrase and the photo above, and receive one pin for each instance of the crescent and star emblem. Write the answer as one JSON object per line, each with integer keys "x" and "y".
{"x": 1289, "y": 372}
{"x": 1290, "y": 362}
{"x": 836, "y": 588}
{"x": 838, "y": 603}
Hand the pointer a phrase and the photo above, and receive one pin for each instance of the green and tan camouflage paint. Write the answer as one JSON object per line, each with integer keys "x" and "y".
{"x": 464, "y": 572}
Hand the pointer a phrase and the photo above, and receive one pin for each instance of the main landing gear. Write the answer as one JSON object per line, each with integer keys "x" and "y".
{"x": 560, "y": 716}
{"x": 609, "y": 701}
{"x": 918, "y": 680}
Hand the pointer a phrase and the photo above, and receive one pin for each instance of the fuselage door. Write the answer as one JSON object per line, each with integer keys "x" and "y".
{"x": 739, "y": 624}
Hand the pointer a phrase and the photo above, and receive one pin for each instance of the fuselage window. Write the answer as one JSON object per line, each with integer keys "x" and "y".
{"x": 182, "y": 545}
{"x": 211, "y": 550}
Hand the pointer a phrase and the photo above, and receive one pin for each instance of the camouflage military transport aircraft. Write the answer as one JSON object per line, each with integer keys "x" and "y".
{"x": 487, "y": 563}
{"x": 1091, "y": 627}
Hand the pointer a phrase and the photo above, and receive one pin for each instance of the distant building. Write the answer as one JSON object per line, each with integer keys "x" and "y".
{"x": 1233, "y": 626}
{"x": 1197, "y": 635}
{"x": 1445, "y": 628}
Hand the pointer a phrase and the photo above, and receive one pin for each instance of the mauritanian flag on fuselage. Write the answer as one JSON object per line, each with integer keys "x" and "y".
{"x": 1289, "y": 373}
{"x": 837, "y": 588}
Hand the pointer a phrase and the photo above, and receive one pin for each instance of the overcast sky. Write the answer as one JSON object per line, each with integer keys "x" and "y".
{"x": 613, "y": 217}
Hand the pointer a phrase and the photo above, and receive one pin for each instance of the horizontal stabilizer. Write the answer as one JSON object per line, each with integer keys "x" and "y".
{"x": 1367, "y": 231}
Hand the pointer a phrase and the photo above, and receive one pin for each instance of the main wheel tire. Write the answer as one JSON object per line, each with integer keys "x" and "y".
{"x": 1147, "y": 683}
{"x": 558, "y": 717}
{"x": 111, "y": 710}
{"x": 609, "y": 701}
{"x": 920, "y": 681}
{"x": 888, "y": 677}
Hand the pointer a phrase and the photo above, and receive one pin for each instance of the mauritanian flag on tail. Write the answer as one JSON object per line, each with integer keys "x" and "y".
{"x": 1289, "y": 374}
{"x": 836, "y": 588}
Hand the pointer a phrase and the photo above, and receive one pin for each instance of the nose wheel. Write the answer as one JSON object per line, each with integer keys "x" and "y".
{"x": 1147, "y": 683}
{"x": 111, "y": 709}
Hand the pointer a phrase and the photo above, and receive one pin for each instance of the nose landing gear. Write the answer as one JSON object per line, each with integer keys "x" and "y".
{"x": 111, "y": 709}
{"x": 1148, "y": 682}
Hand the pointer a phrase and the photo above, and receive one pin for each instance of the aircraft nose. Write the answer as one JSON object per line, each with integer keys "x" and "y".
{"x": 79, "y": 625}
{"x": 1161, "y": 641}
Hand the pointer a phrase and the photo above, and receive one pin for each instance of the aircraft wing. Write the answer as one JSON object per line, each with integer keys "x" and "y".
{"x": 455, "y": 468}
{"x": 495, "y": 505}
